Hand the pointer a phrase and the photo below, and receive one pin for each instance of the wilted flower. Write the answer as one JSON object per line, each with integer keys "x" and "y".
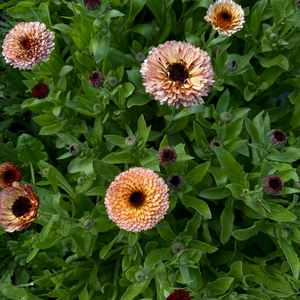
{"x": 172, "y": 277}
{"x": 137, "y": 199}
{"x": 96, "y": 79}
{"x": 140, "y": 57}
{"x": 272, "y": 185}
{"x": 92, "y": 4}
{"x": 177, "y": 247}
{"x": 213, "y": 144}
{"x": 231, "y": 65}
{"x": 179, "y": 73}
{"x": 75, "y": 149}
{"x": 139, "y": 276}
{"x": 277, "y": 138}
{"x": 9, "y": 173}
{"x": 225, "y": 16}
{"x": 88, "y": 224}
{"x": 18, "y": 207}
{"x": 40, "y": 90}
{"x": 131, "y": 141}
{"x": 113, "y": 81}
{"x": 27, "y": 44}
{"x": 166, "y": 156}
{"x": 175, "y": 181}
{"x": 226, "y": 117}
{"x": 179, "y": 295}
{"x": 273, "y": 37}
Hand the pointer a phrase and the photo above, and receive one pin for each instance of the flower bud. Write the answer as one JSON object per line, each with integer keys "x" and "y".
{"x": 277, "y": 138}
{"x": 62, "y": 116}
{"x": 113, "y": 81}
{"x": 226, "y": 117}
{"x": 75, "y": 149}
{"x": 92, "y": 4}
{"x": 131, "y": 250}
{"x": 140, "y": 57}
{"x": 166, "y": 156}
{"x": 272, "y": 185}
{"x": 104, "y": 31}
{"x": 245, "y": 192}
{"x": 139, "y": 276}
{"x": 96, "y": 79}
{"x": 98, "y": 108}
{"x": 175, "y": 181}
{"x": 231, "y": 65}
{"x": 172, "y": 277}
{"x": 183, "y": 258}
{"x": 215, "y": 49}
{"x": 40, "y": 90}
{"x": 131, "y": 141}
{"x": 45, "y": 172}
{"x": 81, "y": 181}
{"x": 273, "y": 37}
{"x": 213, "y": 144}
{"x": 88, "y": 224}
{"x": 177, "y": 247}
{"x": 285, "y": 235}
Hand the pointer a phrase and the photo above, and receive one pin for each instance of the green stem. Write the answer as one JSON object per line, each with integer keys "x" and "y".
{"x": 211, "y": 37}
{"x": 210, "y": 97}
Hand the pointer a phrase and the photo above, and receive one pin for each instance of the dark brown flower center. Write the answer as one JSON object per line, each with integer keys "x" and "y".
{"x": 26, "y": 44}
{"x": 95, "y": 76}
{"x": 137, "y": 199}
{"x": 224, "y": 19}
{"x": 178, "y": 72}
{"x": 279, "y": 136}
{"x": 8, "y": 175}
{"x": 216, "y": 144}
{"x": 175, "y": 180}
{"x": 167, "y": 155}
{"x": 274, "y": 184}
{"x": 21, "y": 207}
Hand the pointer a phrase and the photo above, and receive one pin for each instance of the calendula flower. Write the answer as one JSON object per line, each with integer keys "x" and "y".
{"x": 179, "y": 295}
{"x": 9, "y": 173}
{"x": 272, "y": 185}
{"x": 166, "y": 156}
{"x": 277, "y": 138}
{"x": 137, "y": 199}
{"x": 175, "y": 181}
{"x": 40, "y": 90}
{"x": 179, "y": 73}
{"x": 27, "y": 44}
{"x": 18, "y": 207}
{"x": 225, "y": 16}
{"x": 96, "y": 79}
{"x": 92, "y": 4}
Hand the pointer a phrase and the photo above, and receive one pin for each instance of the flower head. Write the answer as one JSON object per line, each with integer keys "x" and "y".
{"x": 9, "y": 173}
{"x": 18, "y": 207}
{"x": 175, "y": 181}
{"x": 40, "y": 90}
{"x": 96, "y": 79}
{"x": 137, "y": 199}
{"x": 225, "y": 16}
{"x": 92, "y": 4}
{"x": 179, "y": 295}
{"x": 179, "y": 73}
{"x": 272, "y": 185}
{"x": 213, "y": 144}
{"x": 277, "y": 138}
{"x": 166, "y": 156}
{"x": 27, "y": 44}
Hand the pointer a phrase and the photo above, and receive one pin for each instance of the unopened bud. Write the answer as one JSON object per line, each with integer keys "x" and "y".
{"x": 214, "y": 144}
{"x": 88, "y": 224}
{"x": 131, "y": 141}
{"x": 183, "y": 258}
{"x": 62, "y": 116}
{"x": 131, "y": 250}
{"x": 140, "y": 57}
{"x": 231, "y": 65}
{"x": 104, "y": 31}
{"x": 139, "y": 276}
{"x": 273, "y": 37}
{"x": 226, "y": 117}
{"x": 81, "y": 181}
{"x": 45, "y": 172}
{"x": 97, "y": 107}
{"x": 177, "y": 247}
{"x": 113, "y": 81}
{"x": 75, "y": 149}
{"x": 172, "y": 277}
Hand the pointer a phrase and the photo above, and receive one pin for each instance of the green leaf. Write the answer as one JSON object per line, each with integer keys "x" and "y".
{"x": 223, "y": 102}
{"x": 101, "y": 46}
{"x": 135, "y": 289}
{"x": 154, "y": 257}
{"x": 16, "y": 293}
{"x": 166, "y": 233}
{"x": 128, "y": 89}
{"x": 143, "y": 130}
{"x": 280, "y": 214}
{"x": 118, "y": 158}
{"x": 143, "y": 29}
{"x": 226, "y": 220}
{"x": 65, "y": 70}
{"x": 97, "y": 191}
{"x": 199, "y": 205}
{"x": 197, "y": 173}
{"x": 202, "y": 247}
{"x": 280, "y": 61}
{"x": 161, "y": 272}
{"x": 138, "y": 100}
{"x": 215, "y": 193}
{"x": 103, "y": 225}
{"x": 45, "y": 17}
{"x": 30, "y": 149}
{"x": 231, "y": 168}
{"x": 63, "y": 28}
{"x": 51, "y": 129}
{"x": 245, "y": 234}
{"x": 220, "y": 286}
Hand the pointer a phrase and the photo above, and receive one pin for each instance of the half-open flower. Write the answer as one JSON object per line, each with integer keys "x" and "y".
{"x": 9, "y": 173}
{"x": 277, "y": 138}
{"x": 225, "y": 16}
{"x": 166, "y": 156}
{"x": 175, "y": 181}
{"x": 137, "y": 199}
{"x": 272, "y": 185}
{"x": 40, "y": 90}
{"x": 27, "y": 44}
{"x": 179, "y": 73}
{"x": 96, "y": 79}
{"x": 92, "y": 4}
{"x": 18, "y": 207}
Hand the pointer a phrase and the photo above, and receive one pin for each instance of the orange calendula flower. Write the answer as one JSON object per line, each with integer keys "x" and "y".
{"x": 137, "y": 199}
{"x": 179, "y": 73}
{"x": 27, "y": 44}
{"x": 9, "y": 173}
{"x": 225, "y": 16}
{"x": 18, "y": 207}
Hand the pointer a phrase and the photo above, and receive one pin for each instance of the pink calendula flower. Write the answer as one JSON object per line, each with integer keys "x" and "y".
{"x": 18, "y": 207}
{"x": 179, "y": 73}
{"x": 27, "y": 44}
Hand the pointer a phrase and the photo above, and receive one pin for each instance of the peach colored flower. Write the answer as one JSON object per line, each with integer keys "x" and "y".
{"x": 137, "y": 199}
{"x": 18, "y": 207}
{"x": 179, "y": 73}
{"x": 9, "y": 173}
{"x": 225, "y": 16}
{"x": 27, "y": 44}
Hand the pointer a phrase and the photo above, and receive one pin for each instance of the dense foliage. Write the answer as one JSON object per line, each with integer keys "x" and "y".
{"x": 223, "y": 236}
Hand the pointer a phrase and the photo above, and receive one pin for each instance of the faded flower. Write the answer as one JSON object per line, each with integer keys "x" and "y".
{"x": 179, "y": 73}
{"x": 27, "y": 44}
{"x": 137, "y": 199}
